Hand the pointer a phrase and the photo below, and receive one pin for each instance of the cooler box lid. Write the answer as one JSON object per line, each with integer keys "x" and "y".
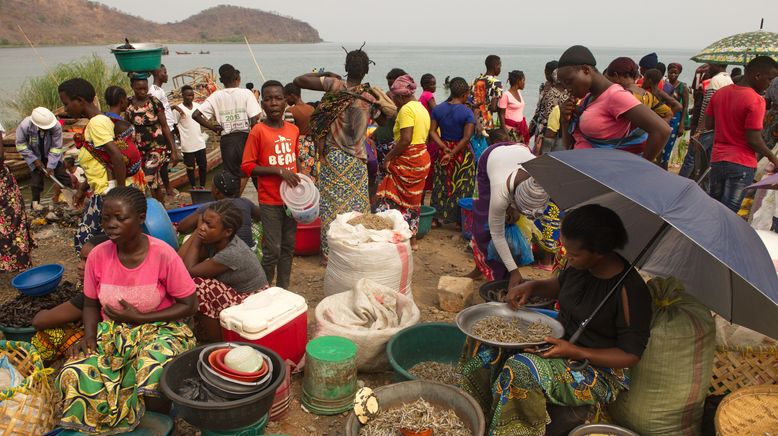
{"x": 263, "y": 313}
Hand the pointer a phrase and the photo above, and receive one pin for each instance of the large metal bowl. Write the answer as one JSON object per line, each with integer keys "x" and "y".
{"x": 468, "y": 317}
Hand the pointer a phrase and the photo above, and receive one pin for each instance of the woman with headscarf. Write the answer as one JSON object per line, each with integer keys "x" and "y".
{"x": 454, "y": 170}
{"x": 511, "y": 108}
{"x": 608, "y": 116}
{"x": 504, "y": 192}
{"x": 408, "y": 163}
{"x": 339, "y": 128}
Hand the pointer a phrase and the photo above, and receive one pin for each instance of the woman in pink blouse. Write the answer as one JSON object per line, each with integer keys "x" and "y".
{"x": 137, "y": 293}
{"x": 511, "y": 108}
{"x": 607, "y": 115}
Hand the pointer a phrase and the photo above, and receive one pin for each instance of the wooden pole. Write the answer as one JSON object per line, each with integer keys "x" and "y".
{"x": 40, "y": 58}
{"x": 255, "y": 59}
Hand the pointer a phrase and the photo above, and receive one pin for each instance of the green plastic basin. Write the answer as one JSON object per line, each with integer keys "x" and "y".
{"x": 433, "y": 341}
{"x": 144, "y": 58}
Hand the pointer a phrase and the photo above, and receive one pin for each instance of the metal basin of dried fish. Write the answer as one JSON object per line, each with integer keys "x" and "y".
{"x": 417, "y": 417}
{"x": 436, "y": 371}
{"x": 511, "y": 330}
{"x": 372, "y": 222}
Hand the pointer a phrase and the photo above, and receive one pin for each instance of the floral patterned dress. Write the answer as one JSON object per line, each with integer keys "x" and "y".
{"x": 149, "y": 138}
{"x": 15, "y": 240}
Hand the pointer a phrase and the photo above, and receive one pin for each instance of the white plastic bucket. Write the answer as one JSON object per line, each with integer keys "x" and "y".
{"x": 302, "y": 200}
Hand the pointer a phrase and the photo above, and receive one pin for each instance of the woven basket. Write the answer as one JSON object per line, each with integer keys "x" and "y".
{"x": 27, "y": 409}
{"x": 748, "y": 411}
{"x": 737, "y": 367}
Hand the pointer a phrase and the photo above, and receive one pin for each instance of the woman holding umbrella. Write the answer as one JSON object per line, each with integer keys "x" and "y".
{"x": 607, "y": 116}
{"x": 514, "y": 388}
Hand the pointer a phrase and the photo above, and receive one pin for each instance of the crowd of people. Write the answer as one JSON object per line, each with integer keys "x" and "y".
{"x": 368, "y": 150}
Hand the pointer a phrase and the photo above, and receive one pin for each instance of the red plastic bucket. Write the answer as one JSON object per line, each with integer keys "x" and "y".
{"x": 307, "y": 241}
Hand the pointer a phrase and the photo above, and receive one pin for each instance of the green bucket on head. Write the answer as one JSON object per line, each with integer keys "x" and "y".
{"x": 144, "y": 58}
{"x": 330, "y": 380}
{"x": 425, "y": 221}
{"x": 256, "y": 429}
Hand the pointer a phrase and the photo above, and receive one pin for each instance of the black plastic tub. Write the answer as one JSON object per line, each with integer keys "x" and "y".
{"x": 219, "y": 416}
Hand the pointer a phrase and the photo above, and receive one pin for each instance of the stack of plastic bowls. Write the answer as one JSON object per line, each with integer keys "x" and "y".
{"x": 226, "y": 382}
{"x": 302, "y": 200}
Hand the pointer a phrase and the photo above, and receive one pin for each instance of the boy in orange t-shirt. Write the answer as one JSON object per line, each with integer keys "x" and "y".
{"x": 270, "y": 156}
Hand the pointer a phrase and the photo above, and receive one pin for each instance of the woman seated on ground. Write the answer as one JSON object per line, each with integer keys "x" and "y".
{"x": 225, "y": 185}
{"x": 514, "y": 388}
{"x": 59, "y": 327}
{"x": 224, "y": 268}
{"x": 145, "y": 292}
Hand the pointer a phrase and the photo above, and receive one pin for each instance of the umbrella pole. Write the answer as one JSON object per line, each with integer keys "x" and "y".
{"x": 578, "y": 366}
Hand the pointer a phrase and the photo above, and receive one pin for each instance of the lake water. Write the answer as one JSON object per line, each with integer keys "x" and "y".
{"x": 285, "y": 61}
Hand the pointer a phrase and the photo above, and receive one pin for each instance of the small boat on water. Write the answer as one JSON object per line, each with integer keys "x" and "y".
{"x": 183, "y": 52}
{"x": 205, "y": 52}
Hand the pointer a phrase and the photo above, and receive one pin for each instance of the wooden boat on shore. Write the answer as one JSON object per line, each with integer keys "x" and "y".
{"x": 183, "y": 52}
{"x": 205, "y": 52}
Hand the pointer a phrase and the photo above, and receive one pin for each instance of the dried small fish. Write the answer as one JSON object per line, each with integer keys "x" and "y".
{"x": 499, "y": 295}
{"x": 436, "y": 371}
{"x": 19, "y": 311}
{"x": 417, "y": 416}
{"x": 372, "y": 222}
{"x": 510, "y": 330}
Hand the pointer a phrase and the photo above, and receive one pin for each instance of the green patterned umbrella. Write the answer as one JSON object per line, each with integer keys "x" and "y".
{"x": 740, "y": 49}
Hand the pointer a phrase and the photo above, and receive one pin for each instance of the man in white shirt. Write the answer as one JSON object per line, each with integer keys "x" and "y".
{"x": 192, "y": 143}
{"x": 236, "y": 110}
{"x": 155, "y": 89}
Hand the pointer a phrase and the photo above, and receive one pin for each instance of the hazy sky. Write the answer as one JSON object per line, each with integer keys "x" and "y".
{"x": 663, "y": 24}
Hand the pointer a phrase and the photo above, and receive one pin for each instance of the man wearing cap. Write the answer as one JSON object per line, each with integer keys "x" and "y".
{"x": 235, "y": 110}
{"x": 39, "y": 141}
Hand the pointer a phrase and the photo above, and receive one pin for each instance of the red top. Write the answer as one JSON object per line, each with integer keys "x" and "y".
{"x": 735, "y": 109}
{"x": 269, "y": 147}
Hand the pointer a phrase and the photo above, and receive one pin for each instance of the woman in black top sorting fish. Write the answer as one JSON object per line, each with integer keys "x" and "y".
{"x": 514, "y": 388}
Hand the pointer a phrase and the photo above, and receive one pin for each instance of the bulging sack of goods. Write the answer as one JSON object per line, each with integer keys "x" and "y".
{"x": 369, "y": 315}
{"x": 371, "y": 246}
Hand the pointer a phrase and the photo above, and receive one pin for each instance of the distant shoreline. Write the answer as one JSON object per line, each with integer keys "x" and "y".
{"x": 2, "y": 46}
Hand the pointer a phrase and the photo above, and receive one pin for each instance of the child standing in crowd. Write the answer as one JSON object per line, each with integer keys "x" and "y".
{"x": 271, "y": 157}
{"x": 77, "y": 97}
{"x": 76, "y": 173}
{"x": 192, "y": 143}
{"x": 235, "y": 109}
{"x": 428, "y": 85}
{"x": 155, "y": 89}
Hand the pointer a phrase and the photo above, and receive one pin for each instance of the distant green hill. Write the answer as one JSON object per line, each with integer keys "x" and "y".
{"x": 81, "y": 22}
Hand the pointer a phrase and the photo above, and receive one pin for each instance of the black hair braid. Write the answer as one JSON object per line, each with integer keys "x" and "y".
{"x": 231, "y": 216}
{"x": 114, "y": 94}
{"x": 357, "y": 63}
{"x": 457, "y": 86}
{"x": 133, "y": 196}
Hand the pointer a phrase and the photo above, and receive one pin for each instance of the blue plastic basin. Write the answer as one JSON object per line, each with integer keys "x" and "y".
{"x": 38, "y": 281}
{"x": 158, "y": 223}
{"x": 176, "y": 215}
